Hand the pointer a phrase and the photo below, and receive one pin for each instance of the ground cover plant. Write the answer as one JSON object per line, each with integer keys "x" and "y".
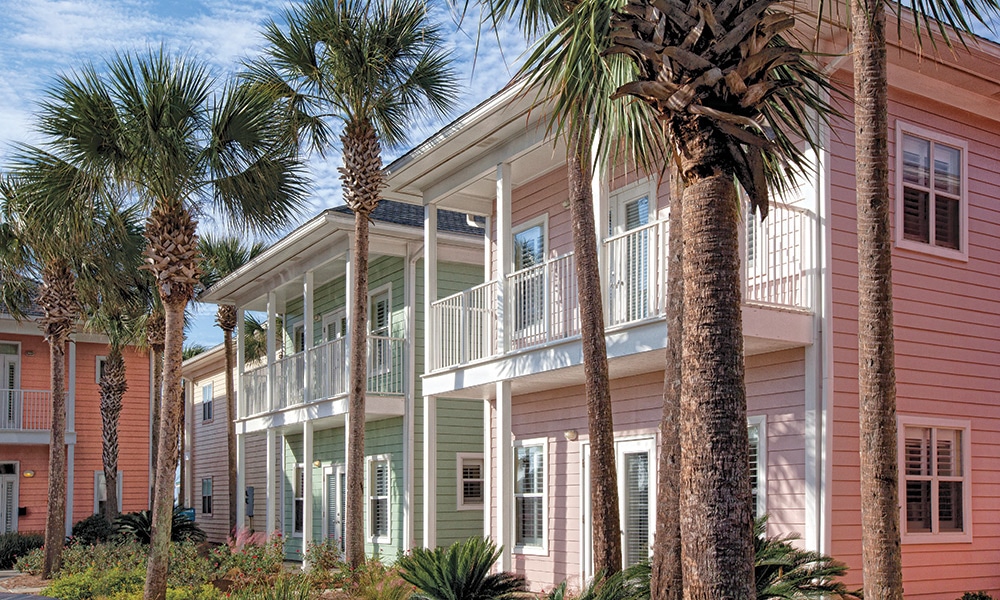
{"x": 14, "y": 545}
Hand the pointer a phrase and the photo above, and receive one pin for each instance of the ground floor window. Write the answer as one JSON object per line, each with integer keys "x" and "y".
{"x": 529, "y": 494}
{"x": 471, "y": 481}
{"x": 934, "y": 479}
{"x": 757, "y": 463}
{"x": 206, "y": 495}
{"x": 298, "y": 496}
{"x": 378, "y": 499}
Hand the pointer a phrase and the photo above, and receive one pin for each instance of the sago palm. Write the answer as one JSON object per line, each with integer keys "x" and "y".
{"x": 160, "y": 130}
{"x": 222, "y": 256}
{"x": 373, "y": 66}
{"x": 460, "y": 572}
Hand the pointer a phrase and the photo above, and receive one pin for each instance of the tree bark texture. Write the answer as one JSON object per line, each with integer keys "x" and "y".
{"x": 881, "y": 560}
{"x": 154, "y": 337}
{"x": 604, "y": 502}
{"x": 716, "y": 517}
{"x": 358, "y": 386}
{"x": 55, "y": 515}
{"x": 666, "y": 582}
{"x": 234, "y": 494}
{"x": 113, "y": 385}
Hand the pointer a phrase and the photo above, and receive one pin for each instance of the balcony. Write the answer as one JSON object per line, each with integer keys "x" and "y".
{"x": 327, "y": 376}
{"x": 25, "y": 416}
{"x": 541, "y": 303}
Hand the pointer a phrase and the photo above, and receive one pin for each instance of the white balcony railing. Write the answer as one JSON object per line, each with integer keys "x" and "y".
{"x": 541, "y": 302}
{"x": 328, "y": 375}
{"x": 25, "y": 410}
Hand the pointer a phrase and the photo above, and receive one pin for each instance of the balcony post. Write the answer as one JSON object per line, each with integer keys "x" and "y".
{"x": 272, "y": 479}
{"x": 505, "y": 474}
{"x": 241, "y": 366}
{"x": 431, "y": 343}
{"x": 431, "y": 347}
{"x": 308, "y": 285}
{"x": 307, "y": 490}
{"x": 348, "y": 303}
{"x": 430, "y": 472}
{"x": 272, "y": 347}
{"x": 601, "y": 191}
{"x": 241, "y": 480}
{"x": 505, "y": 252}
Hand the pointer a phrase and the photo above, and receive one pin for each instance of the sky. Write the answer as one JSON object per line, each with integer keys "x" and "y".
{"x": 45, "y": 38}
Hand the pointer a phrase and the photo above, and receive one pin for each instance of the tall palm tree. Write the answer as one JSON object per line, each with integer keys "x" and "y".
{"x": 155, "y": 336}
{"x": 373, "y": 65}
{"x": 732, "y": 95}
{"x": 220, "y": 257}
{"x": 162, "y": 131}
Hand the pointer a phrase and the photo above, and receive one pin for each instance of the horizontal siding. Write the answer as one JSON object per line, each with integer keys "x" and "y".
{"x": 210, "y": 455}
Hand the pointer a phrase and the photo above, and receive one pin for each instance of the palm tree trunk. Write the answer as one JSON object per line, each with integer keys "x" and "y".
{"x": 716, "y": 518}
{"x": 55, "y": 515}
{"x": 154, "y": 336}
{"x": 113, "y": 385}
{"x": 227, "y": 340}
{"x": 881, "y": 559}
{"x": 355, "y": 547}
{"x": 603, "y": 474}
{"x": 667, "y": 581}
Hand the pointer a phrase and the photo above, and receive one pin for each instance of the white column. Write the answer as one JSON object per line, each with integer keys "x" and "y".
{"x": 430, "y": 403}
{"x": 410, "y": 293}
{"x": 308, "y": 286}
{"x": 307, "y": 489}
{"x": 600, "y": 188}
{"x": 348, "y": 303}
{"x": 430, "y": 471}
{"x": 430, "y": 283}
{"x": 241, "y": 479}
{"x": 272, "y": 347}
{"x": 505, "y": 256}
{"x": 241, "y": 360}
{"x": 272, "y": 479}
{"x": 505, "y": 475}
{"x": 487, "y": 469}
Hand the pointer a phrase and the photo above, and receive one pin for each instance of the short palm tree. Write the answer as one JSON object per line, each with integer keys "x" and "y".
{"x": 221, "y": 256}
{"x": 372, "y": 65}
{"x": 460, "y": 572}
{"x": 162, "y": 131}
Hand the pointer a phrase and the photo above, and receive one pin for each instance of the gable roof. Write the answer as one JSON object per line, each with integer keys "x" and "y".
{"x": 412, "y": 215}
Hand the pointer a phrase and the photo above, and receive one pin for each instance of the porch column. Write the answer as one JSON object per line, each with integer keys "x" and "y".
{"x": 413, "y": 253}
{"x": 505, "y": 255}
{"x": 307, "y": 489}
{"x": 487, "y": 469}
{"x": 505, "y": 474}
{"x": 241, "y": 360}
{"x": 431, "y": 344}
{"x": 70, "y": 427}
{"x": 241, "y": 480}
{"x": 272, "y": 501}
{"x": 272, "y": 346}
{"x": 308, "y": 327}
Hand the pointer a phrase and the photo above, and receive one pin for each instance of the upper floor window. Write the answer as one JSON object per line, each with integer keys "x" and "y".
{"x": 934, "y": 479}
{"x": 206, "y": 496}
{"x": 931, "y": 192}
{"x": 207, "y": 395}
{"x": 102, "y": 365}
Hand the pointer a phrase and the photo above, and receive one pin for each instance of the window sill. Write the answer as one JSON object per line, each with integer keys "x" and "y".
{"x": 381, "y": 541}
{"x": 928, "y": 249}
{"x": 936, "y": 538}
{"x": 530, "y": 550}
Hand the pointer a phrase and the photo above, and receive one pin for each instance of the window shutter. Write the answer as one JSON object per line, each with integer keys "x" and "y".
{"x": 753, "y": 460}
{"x": 637, "y": 505}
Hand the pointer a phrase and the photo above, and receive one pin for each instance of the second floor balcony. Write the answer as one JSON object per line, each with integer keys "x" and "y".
{"x": 26, "y": 416}
{"x": 539, "y": 305}
{"x": 321, "y": 373}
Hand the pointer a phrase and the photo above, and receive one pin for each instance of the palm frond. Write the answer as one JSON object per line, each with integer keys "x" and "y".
{"x": 460, "y": 572}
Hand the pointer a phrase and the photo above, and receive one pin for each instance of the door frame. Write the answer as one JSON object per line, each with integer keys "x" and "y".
{"x": 17, "y": 491}
{"x": 335, "y": 470}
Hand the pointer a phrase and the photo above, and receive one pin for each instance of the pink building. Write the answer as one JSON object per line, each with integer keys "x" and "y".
{"x": 513, "y": 342}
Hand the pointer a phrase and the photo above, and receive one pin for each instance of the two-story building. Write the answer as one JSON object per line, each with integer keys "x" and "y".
{"x": 514, "y": 343}
{"x": 295, "y": 400}
{"x": 25, "y": 420}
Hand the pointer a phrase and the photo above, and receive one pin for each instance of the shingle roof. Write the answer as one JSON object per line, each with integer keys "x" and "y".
{"x": 411, "y": 215}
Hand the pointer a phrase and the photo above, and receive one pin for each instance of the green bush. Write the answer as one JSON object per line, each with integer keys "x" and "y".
{"x": 373, "y": 580}
{"x": 139, "y": 527}
{"x": 249, "y": 562}
{"x": 125, "y": 555}
{"x": 976, "y": 596}
{"x": 463, "y": 570}
{"x": 201, "y": 592}
{"x": 31, "y": 563}
{"x": 285, "y": 587}
{"x": 95, "y": 583}
{"x": 326, "y": 564}
{"x": 95, "y": 529}
{"x": 15, "y": 545}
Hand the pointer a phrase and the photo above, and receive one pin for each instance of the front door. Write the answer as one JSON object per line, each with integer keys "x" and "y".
{"x": 8, "y": 497}
{"x": 10, "y": 381}
{"x": 334, "y": 504}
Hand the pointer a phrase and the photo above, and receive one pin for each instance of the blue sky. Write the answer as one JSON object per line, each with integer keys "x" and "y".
{"x": 44, "y": 38}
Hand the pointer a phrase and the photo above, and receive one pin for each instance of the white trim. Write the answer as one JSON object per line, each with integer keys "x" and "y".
{"x": 17, "y": 491}
{"x": 620, "y": 197}
{"x": 385, "y": 288}
{"x": 935, "y": 423}
{"x": 533, "y": 549}
{"x": 99, "y": 485}
{"x": 98, "y": 361}
{"x": 760, "y": 423}
{"x": 541, "y": 220}
{"x": 369, "y": 496}
{"x": 460, "y": 458}
{"x": 962, "y": 254}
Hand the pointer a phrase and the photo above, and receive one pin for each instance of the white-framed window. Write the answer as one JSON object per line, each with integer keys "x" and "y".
{"x": 101, "y": 492}
{"x": 298, "y": 499}
{"x": 757, "y": 463}
{"x": 380, "y": 328}
{"x": 379, "y": 501}
{"x": 931, "y": 192}
{"x": 206, "y": 495}
{"x": 9, "y": 473}
{"x": 298, "y": 338}
{"x": 100, "y": 365}
{"x": 471, "y": 476}
{"x": 207, "y": 404}
{"x": 530, "y": 244}
{"x": 935, "y": 477}
{"x": 530, "y": 497}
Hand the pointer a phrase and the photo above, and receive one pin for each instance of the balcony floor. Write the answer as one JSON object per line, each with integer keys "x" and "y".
{"x": 324, "y": 414}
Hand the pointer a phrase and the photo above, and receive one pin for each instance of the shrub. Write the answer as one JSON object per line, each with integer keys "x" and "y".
{"x": 31, "y": 563}
{"x": 202, "y": 592}
{"x": 139, "y": 526}
{"x": 125, "y": 555}
{"x": 95, "y": 529}
{"x": 375, "y": 581}
{"x": 247, "y": 562}
{"x": 15, "y": 545}
{"x": 976, "y": 596}
{"x": 326, "y": 565}
{"x": 95, "y": 583}
{"x": 285, "y": 587}
{"x": 783, "y": 571}
{"x": 463, "y": 570}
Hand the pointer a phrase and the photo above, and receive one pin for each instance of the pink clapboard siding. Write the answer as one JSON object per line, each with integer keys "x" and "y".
{"x": 947, "y": 327}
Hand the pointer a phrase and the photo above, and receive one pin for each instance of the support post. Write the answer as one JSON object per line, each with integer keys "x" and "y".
{"x": 272, "y": 479}
{"x": 308, "y": 285}
{"x": 505, "y": 255}
{"x": 272, "y": 348}
{"x": 241, "y": 480}
{"x": 430, "y": 471}
{"x": 307, "y": 489}
{"x": 505, "y": 474}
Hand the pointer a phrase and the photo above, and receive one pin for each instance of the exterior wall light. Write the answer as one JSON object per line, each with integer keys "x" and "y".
{"x": 571, "y": 435}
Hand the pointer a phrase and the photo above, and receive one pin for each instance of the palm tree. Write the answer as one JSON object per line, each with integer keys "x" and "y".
{"x": 155, "y": 335}
{"x": 220, "y": 257}
{"x": 374, "y": 66}
{"x": 159, "y": 130}
{"x": 731, "y": 94}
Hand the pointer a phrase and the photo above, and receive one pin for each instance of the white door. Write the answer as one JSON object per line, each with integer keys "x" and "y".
{"x": 330, "y": 368}
{"x": 334, "y": 503}
{"x": 8, "y": 497}
{"x": 10, "y": 381}
{"x": 630, "y": 261}
{"x": 334, "y": 325}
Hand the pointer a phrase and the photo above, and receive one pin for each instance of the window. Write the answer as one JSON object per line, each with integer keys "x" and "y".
{"x": 471, "y": 481}
{"x": 101, "y": 492}
{"x": 379, "y": 325}
{"x": 298, "y": 495}
{"x": 529, "y": 495}
{"x": 378, "y": 499}
{"x": 206, "y": 496}
{"x": 529, "y": 282}
{"x": 298, "y": 338}
{"x": 756, "y": 429}
{"x": 207, "y": 395}
{"x": 935, "y": 476}
{"x": 102, "y": 364}
{"x": 931, "y": 205}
